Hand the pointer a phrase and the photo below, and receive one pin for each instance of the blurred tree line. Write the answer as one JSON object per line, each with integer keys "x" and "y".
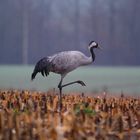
{"x": 31, "y": 29}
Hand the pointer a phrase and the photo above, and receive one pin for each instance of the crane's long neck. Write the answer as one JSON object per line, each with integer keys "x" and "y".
{"x": 92, "y": 54}
{"x": 88, "y": 60}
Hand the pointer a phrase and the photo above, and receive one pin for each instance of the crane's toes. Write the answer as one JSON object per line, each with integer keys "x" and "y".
{"x": 81, "y": 83}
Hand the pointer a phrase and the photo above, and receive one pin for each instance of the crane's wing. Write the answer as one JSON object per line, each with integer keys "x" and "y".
{"x": 42, "y": 66}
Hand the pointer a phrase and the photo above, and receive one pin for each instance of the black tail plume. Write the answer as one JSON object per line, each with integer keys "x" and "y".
{"x": 33, "y": 75}
{"x": 42, "y": 66}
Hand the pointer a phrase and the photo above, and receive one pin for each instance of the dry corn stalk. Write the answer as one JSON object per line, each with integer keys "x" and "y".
{"x": 32, "y": 115}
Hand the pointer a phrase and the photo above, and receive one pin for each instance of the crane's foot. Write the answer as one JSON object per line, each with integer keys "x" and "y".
{"x": 81, "y": 83}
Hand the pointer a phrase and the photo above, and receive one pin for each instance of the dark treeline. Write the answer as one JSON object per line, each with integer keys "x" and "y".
{"x": 31, "y": 29}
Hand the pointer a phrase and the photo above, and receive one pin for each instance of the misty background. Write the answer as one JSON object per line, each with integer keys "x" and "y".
{"x": 32, "y": 29}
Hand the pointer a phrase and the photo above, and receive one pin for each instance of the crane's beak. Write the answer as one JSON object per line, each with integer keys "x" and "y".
{"x": 99, "y": 47}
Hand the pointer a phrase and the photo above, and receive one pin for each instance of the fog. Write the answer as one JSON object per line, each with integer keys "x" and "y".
{"x": 31, "y": 29}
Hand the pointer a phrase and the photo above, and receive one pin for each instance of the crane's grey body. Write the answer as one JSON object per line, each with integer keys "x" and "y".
{"x": 65, "y": 62}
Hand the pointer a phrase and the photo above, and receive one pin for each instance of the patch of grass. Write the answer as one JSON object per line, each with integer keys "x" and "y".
{"x": 112, "y": 79}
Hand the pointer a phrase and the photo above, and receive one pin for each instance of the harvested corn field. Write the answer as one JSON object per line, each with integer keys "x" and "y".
{"x": 32, "y": 115}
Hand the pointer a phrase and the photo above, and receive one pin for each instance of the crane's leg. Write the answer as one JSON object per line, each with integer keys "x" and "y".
{"x": 79, "y": 82}
{"x": 60, "y": 86}
{"x": 60, "y": 94}
{"x": 60, "y": 100}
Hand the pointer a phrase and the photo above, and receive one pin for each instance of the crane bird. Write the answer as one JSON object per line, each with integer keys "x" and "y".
{"x": 62, "y": 63}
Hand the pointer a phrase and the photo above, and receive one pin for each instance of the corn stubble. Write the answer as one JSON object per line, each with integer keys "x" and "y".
{"x": 31, "y": 115}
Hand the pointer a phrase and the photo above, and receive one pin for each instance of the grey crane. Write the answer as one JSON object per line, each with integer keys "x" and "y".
{"x": 62, "y": 63}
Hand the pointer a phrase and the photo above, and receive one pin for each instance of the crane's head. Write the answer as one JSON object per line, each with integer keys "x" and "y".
{"x": 93, "y": 44}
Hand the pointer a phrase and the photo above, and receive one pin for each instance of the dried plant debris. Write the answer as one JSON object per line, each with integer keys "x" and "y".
{"x": 32, "y": 115}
